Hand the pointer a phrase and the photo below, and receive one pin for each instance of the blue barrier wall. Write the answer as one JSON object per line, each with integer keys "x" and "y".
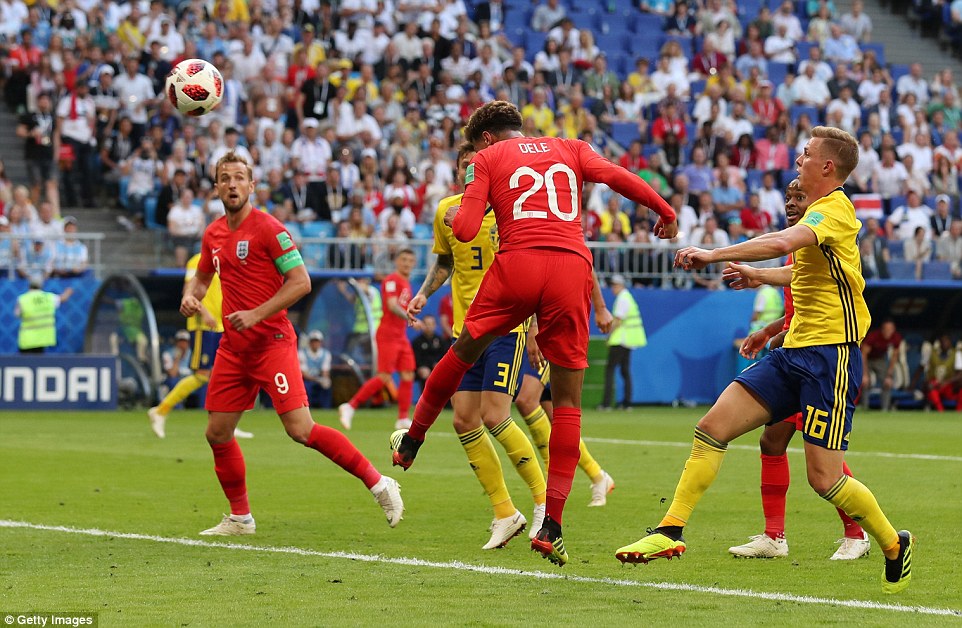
{"x": 71, "y": 317}
{"x": 690, "y": 355}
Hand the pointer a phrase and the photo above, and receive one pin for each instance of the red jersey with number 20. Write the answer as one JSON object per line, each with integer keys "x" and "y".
{"x": 534, "y": 186}
{"x": 392, "y": 328}
{"x": 251, "y": 263}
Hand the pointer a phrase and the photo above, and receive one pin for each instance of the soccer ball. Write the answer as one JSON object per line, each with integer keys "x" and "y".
{"x": 396, "y": 439}
{"x": 194, "y": 87}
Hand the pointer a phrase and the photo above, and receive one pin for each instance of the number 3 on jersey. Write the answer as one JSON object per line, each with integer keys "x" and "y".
{"x": 546, "y": 181}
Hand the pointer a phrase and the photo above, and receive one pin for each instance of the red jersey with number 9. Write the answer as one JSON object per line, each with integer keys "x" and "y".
{"x": 251, "y": 263}
{"x": 534, "y": 186}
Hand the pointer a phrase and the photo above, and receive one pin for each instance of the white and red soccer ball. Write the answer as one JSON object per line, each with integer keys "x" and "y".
{"x": 194, "y": 87}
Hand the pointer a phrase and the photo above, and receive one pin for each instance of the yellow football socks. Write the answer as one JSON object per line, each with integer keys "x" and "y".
{"x": 181, "y": 391}
{"x": 522, "y": 455}
{"x": 540, "y": 428}
{"x": 858, "y": 502}
{"x": 700, "y": 471}
{"x": 485, "y": 463}
{"x": 588, "y": 464}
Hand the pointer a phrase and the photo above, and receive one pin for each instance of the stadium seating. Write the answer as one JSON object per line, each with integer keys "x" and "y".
{"x": 901, "y": 270}
{"x": 937, "y": 271}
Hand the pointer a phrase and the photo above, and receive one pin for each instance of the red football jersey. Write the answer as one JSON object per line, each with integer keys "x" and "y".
{"x": 534, "y": 186}
{"x": 392, "y": 328}
{"x": 251, "y": 262}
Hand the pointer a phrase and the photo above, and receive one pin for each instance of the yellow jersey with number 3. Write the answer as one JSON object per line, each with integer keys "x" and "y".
{"x": 471, "y": 259}
{"x": 212, "y": 300}
{"x": 827, "y": 281}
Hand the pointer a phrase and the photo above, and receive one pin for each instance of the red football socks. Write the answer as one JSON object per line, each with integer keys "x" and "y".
{"x": 339, "y": 449}
{"x": 852, "y": 529}
{"x": 370, "y": 388}
{"x": 231, "y": 472}
{"x": 564, "y": 452}
{"x": 404, "y": 393}
{"x": 438, "y": 390}
{"x": 775, "y": 480}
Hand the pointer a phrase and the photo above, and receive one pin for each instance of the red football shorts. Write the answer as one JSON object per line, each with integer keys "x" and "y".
{"x": 395, "y": 356}
{"x": 555, "y": 285}
{"x": 798, "y": 420}
{"x": 237, "y": 377}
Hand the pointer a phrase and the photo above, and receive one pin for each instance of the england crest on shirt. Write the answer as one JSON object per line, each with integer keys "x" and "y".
{"x": 242, "y": 248}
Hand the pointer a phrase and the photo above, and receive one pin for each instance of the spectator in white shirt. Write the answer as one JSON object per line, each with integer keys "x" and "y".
{"x": 231, "y": 144}
{"x": 921, "y": 151}
{"x": 136, "y": 94}
{"x": 547, "y": 15}
{"x": 76, "y": 128}
{"x": 408, "y": 44}
{"x": 903, "y": 222}
{"x": 890, "y": 176}
{"x": 398, "y": 209}
{"x": 810, "y": 90}
{"x": 185, "y": 224}
{"x": 823, "y": 70}
{"x": 490, "y": 68}
{"x": 856, "y": 23}
{"x": 356, "y": 125}
{"x": 913, "y": 83}
{"x": 248, "y": 61}
{"x": 851, "y": 113}
{"x": 868, "y": 159}
{"x": 779, "y": 47}
{"x": 785, "y": 16}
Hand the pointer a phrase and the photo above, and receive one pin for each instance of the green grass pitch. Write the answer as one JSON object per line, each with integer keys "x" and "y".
{"x": 108, "y": 472}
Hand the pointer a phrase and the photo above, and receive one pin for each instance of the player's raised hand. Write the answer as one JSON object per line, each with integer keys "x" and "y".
{"x": 415, "y": 305}
{"x": 242, "y": 319}
{"x": 741, "y": 276}
{"x": 450, "y": 214}
{"x": 692, "y": 258}
{"x": 604, "y": 320}
{"x": 665, "y": 231}
{"x": 753, "y": 344}
{"x": 189, "y": 305}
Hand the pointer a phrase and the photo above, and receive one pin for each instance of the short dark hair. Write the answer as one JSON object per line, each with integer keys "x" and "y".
{"x": 465, "y": 148}
{"x": 493, "y": 117}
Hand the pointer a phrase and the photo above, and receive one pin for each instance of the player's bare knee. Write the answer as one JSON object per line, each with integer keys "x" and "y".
{"x": 463, "y": 424}
{"x": 772, "y": 444}
{"x": 218, "y": 434}
{"x": 299, "y": 433}
{"x": 821, "y": 480}
{"x": 384, "y": 377}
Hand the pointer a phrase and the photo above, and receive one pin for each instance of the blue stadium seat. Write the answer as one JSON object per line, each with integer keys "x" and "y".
{"x": 777, "y": 72}
{"x": 898, "y": 70}
{"x": 901, "y": 270}
{"x": 645, "y": 23}
{"x": 318, "y": 229}
{"x": 584, "y": 21}
{"x": 315, "y": 255}
{"x": 898, "y": 135}
{"x": 624, "y": 133}
{"x": 697, "y": 88}
{"x": 786, "y": 176}
{"x": 150, "y": 214}
{"x": 941, "y": 271}
{"x": 759, "y": 132}
{"x": 929, "y": 200}
{"x": 423, "y": 231}
{"x": 803, "y": 48}
{"x": 516, "y": 20}
{"x": 650, "y": 149}
{"x": 897, "y": 250}
{"x": 533, "y": 43}
{"x": 795, "y": 111}
{"x": 878, "y": 49}
{"x": 611, "y": 43}
{"x": 897, "y": 201}
{"x": 621, "y": 64}
{"x": 753, "y": 179}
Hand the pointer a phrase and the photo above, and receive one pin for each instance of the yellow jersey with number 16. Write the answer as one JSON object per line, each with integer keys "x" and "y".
{"x": 827, "y": 281}
{"x": 471, "y": 259}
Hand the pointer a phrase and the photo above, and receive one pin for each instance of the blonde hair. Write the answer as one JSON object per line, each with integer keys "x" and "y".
{"x": 840, "y": 147}
{"x": 233, "y": 158}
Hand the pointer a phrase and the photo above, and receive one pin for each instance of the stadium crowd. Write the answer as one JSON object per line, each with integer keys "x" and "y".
{"x": 350, "y": 114}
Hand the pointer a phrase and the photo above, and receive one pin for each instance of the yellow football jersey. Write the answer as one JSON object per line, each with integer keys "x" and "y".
{"x": 827, "y": 281}
{"x": 212, "y": 300}
{"x": 471, "y": 259}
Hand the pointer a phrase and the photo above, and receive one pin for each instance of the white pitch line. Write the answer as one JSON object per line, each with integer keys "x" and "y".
{"x": 484, "y": 569}
{"x": 877, "y": 454}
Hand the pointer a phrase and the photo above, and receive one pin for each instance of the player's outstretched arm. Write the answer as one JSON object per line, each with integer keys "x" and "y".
{"x": 767, "y": 246}
{"x": 743, "y": 276}
{"x": 599, "y": 170}
{"x": 756, "y": 341}
{"x": 297, "y": 283}
{"x": 439, "y": 272}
